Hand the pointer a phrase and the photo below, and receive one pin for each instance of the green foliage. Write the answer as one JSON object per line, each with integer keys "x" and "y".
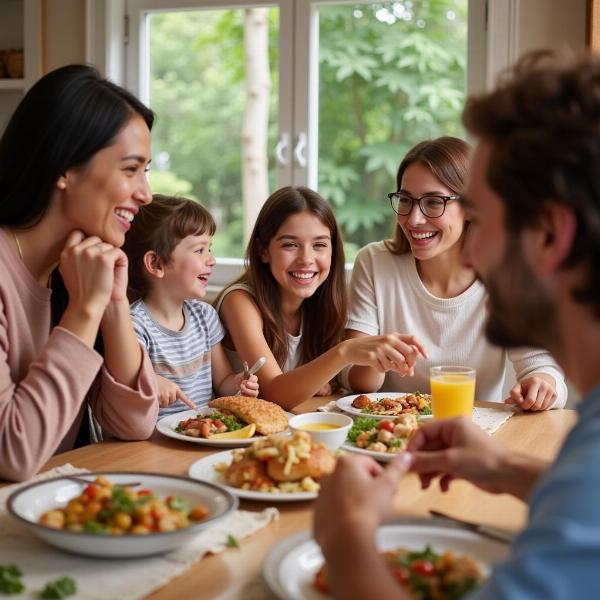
{"x": 197, "y": 89}
{"x": 391, "y": 74}
{"x": 167, "y": 183}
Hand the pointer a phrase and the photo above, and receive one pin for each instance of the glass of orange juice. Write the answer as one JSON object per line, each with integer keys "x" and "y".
{"x": 452, "y": 391}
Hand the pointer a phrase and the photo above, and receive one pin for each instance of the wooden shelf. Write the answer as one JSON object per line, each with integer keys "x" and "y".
{"x": 20, "y": 27}
{"x": 12, "y": 84}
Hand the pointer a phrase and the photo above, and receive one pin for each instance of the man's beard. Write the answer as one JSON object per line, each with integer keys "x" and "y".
{"x": 521, "y": 312}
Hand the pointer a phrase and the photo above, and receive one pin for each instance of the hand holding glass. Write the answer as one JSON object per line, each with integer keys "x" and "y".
{"x": 452, "y": 391}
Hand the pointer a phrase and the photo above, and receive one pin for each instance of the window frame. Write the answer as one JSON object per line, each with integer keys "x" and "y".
{"x": 113, "y": 26}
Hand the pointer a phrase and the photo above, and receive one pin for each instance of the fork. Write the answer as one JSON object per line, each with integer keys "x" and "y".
{"x": 89, "y": 481}
{"x": 259, "y": 364}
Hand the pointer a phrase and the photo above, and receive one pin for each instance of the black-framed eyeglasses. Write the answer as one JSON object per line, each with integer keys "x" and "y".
{"x": 431, "y": 205}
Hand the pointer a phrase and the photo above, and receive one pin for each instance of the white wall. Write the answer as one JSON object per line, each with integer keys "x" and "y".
{"x": 65, "y": 33}
{"x": 551, "y": 24}
{"x": 555, "y": 24}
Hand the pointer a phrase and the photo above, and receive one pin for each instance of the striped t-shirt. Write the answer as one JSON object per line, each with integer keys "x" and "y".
{"x": 183, "y": 356}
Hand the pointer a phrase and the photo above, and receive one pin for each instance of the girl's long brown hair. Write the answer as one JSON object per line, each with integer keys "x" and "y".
{"x": 448, "y": 159}
{"x": 324, "y": 313}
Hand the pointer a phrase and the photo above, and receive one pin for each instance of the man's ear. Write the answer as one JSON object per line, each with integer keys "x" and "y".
{"x": 557, "y": 227}
{"x": 154, "y": 264}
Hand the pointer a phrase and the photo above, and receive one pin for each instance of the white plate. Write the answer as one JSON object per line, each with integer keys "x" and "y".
{"x": 166, "y": 426}
{"x": 27, "y": 505}
{"x": 380, "y": 456}
{"x": 345, "y": 405}
{"x": 290, "y": 567}
{"x": 203, "y": 470}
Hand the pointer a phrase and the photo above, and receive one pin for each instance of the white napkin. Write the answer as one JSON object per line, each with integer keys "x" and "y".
{"x": 101, "y": 579}
{"x": 489, "y": 419}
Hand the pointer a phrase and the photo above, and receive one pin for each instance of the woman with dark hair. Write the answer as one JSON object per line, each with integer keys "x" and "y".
{"x": 418, "y": 282}
{"x": 72, "y": 178}
{"x": 290, "y": 304}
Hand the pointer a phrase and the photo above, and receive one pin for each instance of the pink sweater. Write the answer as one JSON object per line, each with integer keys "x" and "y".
{"x": 46, "y": 377}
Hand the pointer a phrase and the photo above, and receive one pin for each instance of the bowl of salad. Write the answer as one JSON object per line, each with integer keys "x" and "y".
{"x": 119, "y": 514}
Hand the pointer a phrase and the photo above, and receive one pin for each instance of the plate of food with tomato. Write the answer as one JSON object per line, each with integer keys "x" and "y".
{"x": 381, "y": 439}
{"x": 422, "y": 554}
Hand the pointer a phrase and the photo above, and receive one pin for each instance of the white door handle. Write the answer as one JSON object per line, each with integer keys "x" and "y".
{"x": 280, "y": 150}
{"x": 300, "y": 150}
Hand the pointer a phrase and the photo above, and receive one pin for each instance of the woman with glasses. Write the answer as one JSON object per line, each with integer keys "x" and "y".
{"x": 418, "y": 283}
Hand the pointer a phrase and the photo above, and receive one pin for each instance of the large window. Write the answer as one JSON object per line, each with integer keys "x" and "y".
{"x": 197, "y": 84}
{"x": 390, "y": 74}
{"x": 253, "y": 95}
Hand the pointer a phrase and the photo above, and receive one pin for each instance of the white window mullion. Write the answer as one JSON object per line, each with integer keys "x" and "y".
{"x": 502, "y": 38}
{"x": 104, "y": 37}
{"x": 284, "y": 148}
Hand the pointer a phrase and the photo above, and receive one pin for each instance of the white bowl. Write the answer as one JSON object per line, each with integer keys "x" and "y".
{"x": 332, "y": 438}
{"x": 30, "y": 502}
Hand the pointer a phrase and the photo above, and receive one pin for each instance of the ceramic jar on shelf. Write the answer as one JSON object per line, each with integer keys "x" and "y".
{"x": 11, "y": 63}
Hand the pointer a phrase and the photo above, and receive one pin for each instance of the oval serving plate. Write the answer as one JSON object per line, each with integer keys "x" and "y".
{"x": 380, "y": 456}
{"x": 166, "y": 425}
{"x": 345, "y": 405}
{"x": 204, "y": 470}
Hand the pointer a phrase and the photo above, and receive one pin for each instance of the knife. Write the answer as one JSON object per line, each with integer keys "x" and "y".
{"x": 493, "y": 533}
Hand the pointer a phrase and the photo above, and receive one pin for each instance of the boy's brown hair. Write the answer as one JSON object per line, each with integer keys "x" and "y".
{"x": 159, "y": 227}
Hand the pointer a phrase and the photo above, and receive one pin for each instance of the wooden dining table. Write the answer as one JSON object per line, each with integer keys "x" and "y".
{"x": 236, "y": 572}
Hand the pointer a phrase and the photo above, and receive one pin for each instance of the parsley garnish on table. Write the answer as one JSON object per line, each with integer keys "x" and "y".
{"x": 10, "y": 580}
{"x": 60, "y": 588}
{"x": 232, "y": 542}
{"x": 10, "y": 583}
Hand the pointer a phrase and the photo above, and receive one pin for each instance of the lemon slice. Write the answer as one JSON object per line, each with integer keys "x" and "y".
{"x": 244, "y": 432}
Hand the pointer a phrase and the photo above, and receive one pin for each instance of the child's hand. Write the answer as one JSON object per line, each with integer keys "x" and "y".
{"x": 248, "y": 387}
{"x": 169, "y": 393}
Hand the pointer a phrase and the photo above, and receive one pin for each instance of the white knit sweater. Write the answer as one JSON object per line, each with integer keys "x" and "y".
{"x": 387, "y": 295}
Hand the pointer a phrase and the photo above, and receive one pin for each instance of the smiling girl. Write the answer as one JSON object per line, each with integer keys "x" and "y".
{"x": 290, "y": 304}
{"x": 419, "y": 282}
{"x": 170, "y": 262}
{"x": 72, "y": 178}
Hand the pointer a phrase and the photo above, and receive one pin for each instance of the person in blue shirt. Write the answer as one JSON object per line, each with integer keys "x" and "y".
{"x": 533, "y": 203}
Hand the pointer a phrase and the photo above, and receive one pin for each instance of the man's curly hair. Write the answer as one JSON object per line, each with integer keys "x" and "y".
{"x": 543, "y": 125}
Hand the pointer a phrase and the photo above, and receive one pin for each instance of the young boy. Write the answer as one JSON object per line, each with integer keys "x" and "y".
{"x": 169, "y": 265}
